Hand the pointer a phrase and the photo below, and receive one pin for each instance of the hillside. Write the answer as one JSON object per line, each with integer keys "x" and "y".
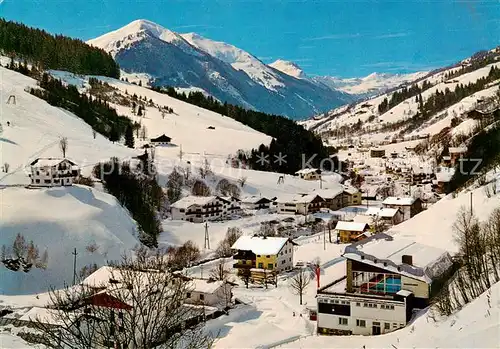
{"x": 59, "y": 220}
{"x": 222, "y": 70}
{"x": 54, "y": 51}
{"x": 463, "y": 84}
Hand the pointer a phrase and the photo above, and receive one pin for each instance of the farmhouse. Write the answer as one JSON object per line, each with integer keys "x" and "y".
{"x": 213, "y": 293}
{"x": 199, "y": 209}
{"x": 51, "y": 172}
{"x": 443, "y": 179}
{"x": 351, "y": 231}
{"x": 408, "y": 206}
{"x": 161, "y": 140}
{"x": 389, "y": 216}
{"x": 386, "y": 278}
{"x": 332, "y": 197}
{"x": 300, "y": 204}
{"x": 351, "y": 197}
{"x": 310, "y": 174}
{"x": 269, "y": 253}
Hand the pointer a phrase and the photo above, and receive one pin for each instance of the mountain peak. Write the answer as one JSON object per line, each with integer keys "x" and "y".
{"x": 289, "y": 68}
{"x": 137, "y": 30}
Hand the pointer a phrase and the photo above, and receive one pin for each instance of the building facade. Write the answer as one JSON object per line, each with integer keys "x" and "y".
{"x": 300, "y": 204}
{"x": 408, "y": 206}
{"x": 309, "y": 174}
{"x": 386, "y": 279}
{"x": 199, "y": 209}
{"x": 258, "y": 252}
{"x": 51, "y": 172}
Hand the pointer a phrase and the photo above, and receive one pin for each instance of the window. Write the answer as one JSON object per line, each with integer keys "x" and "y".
{"x": 365, "y": 305}
{"x": 358, "y": 304}
{"x": 394, "y": 325}
{"x": 188, "y": 295}
{"x": 268, "y": 256}
{"x": 37, "y": 181}
{"x": 290, "y": 259}
{"x": 387, "y": 326}
{"x": 261, "y": 265}
{"x": 343, "y": 321}
{"x": 360, "y": 323}
{"x": 270, "y": 266}
{"x": 47, "y": 181}
{"x": 202, "y": 297}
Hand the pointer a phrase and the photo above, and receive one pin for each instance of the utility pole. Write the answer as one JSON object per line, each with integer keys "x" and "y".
{"x": 320, "y": 182}
{"x": 74, "y": 253}
{"x": 207, "y": 239}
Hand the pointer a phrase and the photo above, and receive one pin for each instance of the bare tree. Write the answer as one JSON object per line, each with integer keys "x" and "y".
{"x": 242, "y": 181}
{"x": 147, "y": 311}
{"x": 224, "y": 247}
{"x": 220, "y": 271}
{"x": 200, "y": 188}
{"x": 299, "y": 283}
{"x": 63, "y": 145}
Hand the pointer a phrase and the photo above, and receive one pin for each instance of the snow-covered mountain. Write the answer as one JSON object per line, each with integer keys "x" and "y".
{"x": 226, "y": 72}
{"x": 369, "y": 85}
{"x": 289, "y": 68}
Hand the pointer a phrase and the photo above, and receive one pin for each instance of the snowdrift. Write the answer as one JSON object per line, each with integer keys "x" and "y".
{"x": 60, "y": 220}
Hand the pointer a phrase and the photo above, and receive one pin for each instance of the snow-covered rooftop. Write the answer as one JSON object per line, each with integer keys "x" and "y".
{"x": 49, "y": 162}
{"x": 297, "y": 198}
{"x": 458, "y": 150}
{"x": 350, "y": 226}
{"x": 260, "y": 245}
{"x": 44, "y": 315}
{"x": 204, "y": 286}
{"x": 403, "y": 201}
{"x": 329, "y": 193}
{"x": 386, "y": 252}
{"x": 308, "y": 170}
{"x": 445, "y": 174}
{"x": 191, "y": 200}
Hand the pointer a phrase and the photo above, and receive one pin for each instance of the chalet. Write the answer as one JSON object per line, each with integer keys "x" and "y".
{"x": 161, "y": 140}
{"x": 408, "y": 206}
{"x": 479, "y": 114}
{"x": 351, "y": 197}
{"x": 51, "y": 172}
{"x": 300, "y": 204}
{"x": 256, "y": 203}
{"x": 390, "y": 216}
{"x": 310, "y": 174}
{"x": 332, "y": 197}
{"x": 231, "y": 205}
{"x": 269, "y": 253}
{"x": 199, "y": 209}
{"x": 377, "y": 153}
{"x": 386, "y": 279}
{"x": 214, "y": 293}
{"x": 456, "y": 153}
{"x": 351, "y": 231}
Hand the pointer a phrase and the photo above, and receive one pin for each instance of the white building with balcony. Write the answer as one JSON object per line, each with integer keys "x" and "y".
{"x": 52, "y": 172}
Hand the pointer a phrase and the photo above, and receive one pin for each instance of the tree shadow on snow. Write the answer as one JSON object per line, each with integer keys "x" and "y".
{"x": 7, "y": 141}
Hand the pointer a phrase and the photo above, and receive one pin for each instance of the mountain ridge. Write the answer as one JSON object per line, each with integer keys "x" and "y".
{"x": 223, "y": 70}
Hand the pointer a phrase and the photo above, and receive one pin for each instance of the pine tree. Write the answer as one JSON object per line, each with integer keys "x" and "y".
{"x": 129, "y": 136}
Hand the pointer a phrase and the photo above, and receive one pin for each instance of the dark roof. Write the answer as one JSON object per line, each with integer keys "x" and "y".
{"x": 162, "y": 139}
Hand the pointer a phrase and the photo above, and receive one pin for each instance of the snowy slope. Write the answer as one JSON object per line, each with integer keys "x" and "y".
{"x": 366, "y": 111}
{"x": 239, "y": 59}
{"x": 222, "y": 70}
{"x": 36, "y": 128}
{"x": 59, "y": 220}
{"x": 372, "y": 84}
{"x": 289, "y": 68}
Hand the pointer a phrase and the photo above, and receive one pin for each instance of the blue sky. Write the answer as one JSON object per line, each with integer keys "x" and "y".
{"x": 341, "y": 38}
